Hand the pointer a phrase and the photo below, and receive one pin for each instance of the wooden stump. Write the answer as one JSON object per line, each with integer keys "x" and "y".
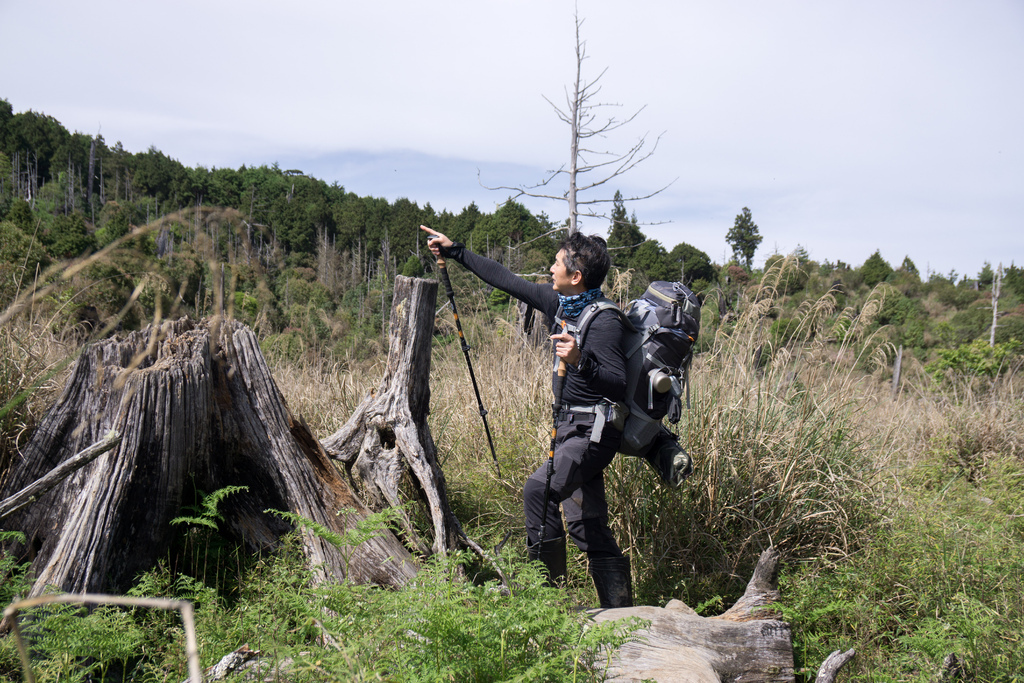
{"x": 386, "y": 442}
{"x": 746, "y": 644}
{"x": 197, "y": 409}
{"x": 534, "y": 325}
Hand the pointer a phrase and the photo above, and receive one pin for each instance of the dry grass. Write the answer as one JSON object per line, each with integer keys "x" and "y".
{"x": 790, "y": 445}
{"x": 325, "y": 391}
{"x": 34, "y": 366}
{"x": 798, "y": 442}
{"x": 514, "y": 382}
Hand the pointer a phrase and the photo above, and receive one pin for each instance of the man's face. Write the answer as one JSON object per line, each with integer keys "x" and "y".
{"x": 562, "y": 281}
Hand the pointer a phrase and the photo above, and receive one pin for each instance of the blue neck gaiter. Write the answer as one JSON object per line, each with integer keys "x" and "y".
{"x": 573, "y": 305}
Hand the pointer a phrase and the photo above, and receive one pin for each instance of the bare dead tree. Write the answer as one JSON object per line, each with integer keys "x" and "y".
{"x": 995, "y": 305}
{"x": 589, "y": 167}
{"x": 92, "y": 171}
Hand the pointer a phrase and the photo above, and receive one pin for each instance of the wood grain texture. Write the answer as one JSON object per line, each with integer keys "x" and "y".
{"x": 197, "y": 409}
{"x": 744, "y": 645}
{"x": 387, "y": 439}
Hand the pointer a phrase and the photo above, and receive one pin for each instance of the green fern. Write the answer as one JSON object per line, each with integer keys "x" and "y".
{"x": 366, "y": 528}
{"x": 440, "y": 627}
{"x": 14, "y": 579}
{"x": 72, "y": 643}
{"x": 207, "y": 513}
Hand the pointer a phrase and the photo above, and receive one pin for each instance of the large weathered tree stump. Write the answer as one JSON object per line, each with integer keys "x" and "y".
{"x": 386, "y": 443}
{"x": 747, "y": 644}
{"x": 197, "y": 409}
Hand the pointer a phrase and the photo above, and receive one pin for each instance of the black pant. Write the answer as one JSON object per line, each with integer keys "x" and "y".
{"x": 577, "y": 485}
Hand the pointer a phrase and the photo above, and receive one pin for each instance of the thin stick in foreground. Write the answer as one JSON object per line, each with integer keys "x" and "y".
{"x": 33, "y": 491}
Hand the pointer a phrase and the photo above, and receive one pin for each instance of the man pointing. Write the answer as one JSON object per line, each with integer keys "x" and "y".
{"x": 585, "y": 441}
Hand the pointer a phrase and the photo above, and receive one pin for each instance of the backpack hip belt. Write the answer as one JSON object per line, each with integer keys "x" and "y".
{"x": 604, "y": 413}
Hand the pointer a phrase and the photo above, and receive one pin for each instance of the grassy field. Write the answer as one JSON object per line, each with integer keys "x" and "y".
{"x": 900, "y": 518}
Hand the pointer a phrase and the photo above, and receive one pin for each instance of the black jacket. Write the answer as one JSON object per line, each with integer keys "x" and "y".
{"x": 603, "y": 354}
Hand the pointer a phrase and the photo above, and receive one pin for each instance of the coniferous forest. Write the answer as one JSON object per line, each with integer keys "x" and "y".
{"x": 867, "y": 420}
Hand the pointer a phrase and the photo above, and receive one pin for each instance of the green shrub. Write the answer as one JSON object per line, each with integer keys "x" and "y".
{"x": 948, "y": 294}
{"x": 971, "y": 323}
{"x": 67, "y": 237}
{"x": 794, "y": 276}
{"x": 114, "y": 221}
{"x": 413, "y": 267}
{"x": 976, "y": 359}
{"x": 288, "y": 345}
{"x": 440, "y": 627}
{"x": 1009, "y": 328}
{"x": 943, "y": 576}
{"x": 22, "y": 253}
{"x": 297, "y": 290}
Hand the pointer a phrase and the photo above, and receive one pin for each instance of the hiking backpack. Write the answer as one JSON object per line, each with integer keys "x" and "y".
{"x": 661, "y": 329}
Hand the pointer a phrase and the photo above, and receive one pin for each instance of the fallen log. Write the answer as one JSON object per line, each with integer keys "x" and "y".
{"x": 747, "y": 644}
{"x": 197, "y": 409}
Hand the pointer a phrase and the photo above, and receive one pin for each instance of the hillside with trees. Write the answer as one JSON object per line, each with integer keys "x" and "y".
{"x": 866, "y": 420}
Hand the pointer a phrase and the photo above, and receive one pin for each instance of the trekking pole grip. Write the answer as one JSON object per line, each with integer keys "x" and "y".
{"x": 444, "y": 277}
{"x": 556, "y": 407}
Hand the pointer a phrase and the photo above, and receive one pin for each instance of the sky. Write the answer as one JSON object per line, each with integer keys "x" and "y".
{"x": 844, "y": 126}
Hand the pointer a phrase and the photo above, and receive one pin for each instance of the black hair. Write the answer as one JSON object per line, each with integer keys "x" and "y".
{"x": 589, "y": 255}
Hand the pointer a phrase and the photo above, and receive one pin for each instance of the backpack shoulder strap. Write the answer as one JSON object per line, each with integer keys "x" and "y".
{"x": 579, "y": 330}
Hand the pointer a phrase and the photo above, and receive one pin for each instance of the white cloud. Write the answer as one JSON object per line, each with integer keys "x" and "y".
{"x": 845, "y": 127}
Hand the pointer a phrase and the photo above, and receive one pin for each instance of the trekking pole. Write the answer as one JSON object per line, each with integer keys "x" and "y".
{"x": 465, "y": 351}
{"x": 556, "y": 408}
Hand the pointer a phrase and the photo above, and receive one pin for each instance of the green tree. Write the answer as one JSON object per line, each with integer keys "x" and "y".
{"x": 624, "y": 235}
{"x": 39, "y": 136}
{"x": 651, "y": 260}
{"x": 792, "y": 276}
{"x": 511, "y": 223}
{"x": 115, "y": 222}
{"x": 404, "y": 213}
{"x": 987, "y": 275}
{"x": 1013, "y": 279}
{"x": 6, "y": 188}
{"x": 226, "y": 188}
{"x": 906, "y": 278}
{"x": 157, "y": 175}
{"x": 464, "y": 224}
{"x": 412, "y": 267}
{"x": 21, "y": 215}
{"x": 876, "y": 269}
{"x": 744, "y": 238}
{"x": 695, "y": 266}
{"x": 908, "y": 266}
{"x": 6, "y": 115}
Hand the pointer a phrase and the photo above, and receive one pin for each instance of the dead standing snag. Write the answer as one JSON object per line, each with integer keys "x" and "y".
{"x": 387, "y": 437}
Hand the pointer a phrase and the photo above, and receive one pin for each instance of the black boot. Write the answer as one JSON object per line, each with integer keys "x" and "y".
{"x": 613, "y": 581}
{"x": 670, "y": 460}
{"x": 551, "y": 554}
